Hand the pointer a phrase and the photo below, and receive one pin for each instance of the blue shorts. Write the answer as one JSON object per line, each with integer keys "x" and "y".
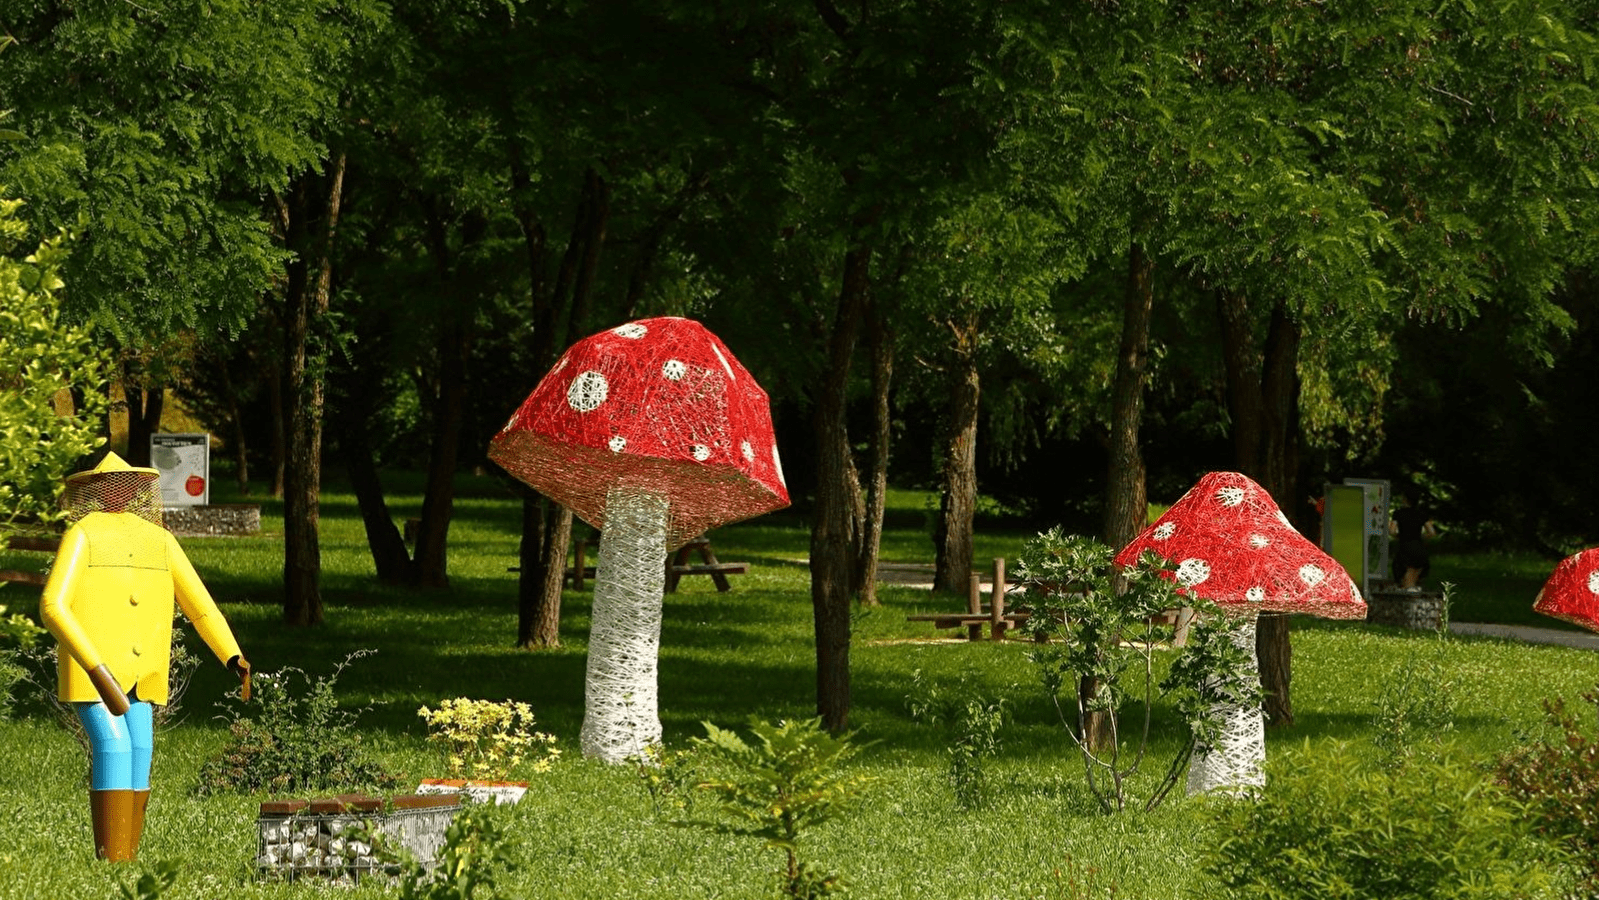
{"x": 120, "y": 747}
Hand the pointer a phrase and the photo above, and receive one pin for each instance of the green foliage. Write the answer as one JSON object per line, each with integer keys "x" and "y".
{"x": 668, "y": 776}
{"x": 1327, "y": 829}
{"x": 41, "y": 355}
{"x": 293, "y": 740}
{"x": 474, "y": 856}
{"x": 1558, "y": 778}
{"x": 972, "y": 722}
{"x": 1415, "y": 708}
{"x": 787, "y": 783}
{"x": 152, "y": 882}
{"x": 1095, "y": 619}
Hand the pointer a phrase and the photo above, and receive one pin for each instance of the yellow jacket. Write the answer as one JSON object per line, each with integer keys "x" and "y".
{"x": 109, "y": 601}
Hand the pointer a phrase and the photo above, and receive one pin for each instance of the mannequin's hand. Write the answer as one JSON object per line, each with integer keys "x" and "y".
{"x": 110, "y": 692}
{"x": 240, "y": 666}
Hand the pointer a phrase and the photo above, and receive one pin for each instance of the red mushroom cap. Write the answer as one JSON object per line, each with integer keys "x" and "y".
{"x": 1234, "y": 546}
{"x": 1572, "y": 592}
{"x": 659, "y": 405}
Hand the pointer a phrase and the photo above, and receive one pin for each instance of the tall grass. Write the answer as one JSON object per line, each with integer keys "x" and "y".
{"x": 587, "y": 830}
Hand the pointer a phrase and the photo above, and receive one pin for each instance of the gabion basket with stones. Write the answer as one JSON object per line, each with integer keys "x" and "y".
{"x": 350, "y": 837}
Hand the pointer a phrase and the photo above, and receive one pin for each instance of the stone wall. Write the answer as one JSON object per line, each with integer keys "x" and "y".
{"x": 228, "y": 519}
{"x": 333, "y": 839}
{"x": 1416, "y": 610}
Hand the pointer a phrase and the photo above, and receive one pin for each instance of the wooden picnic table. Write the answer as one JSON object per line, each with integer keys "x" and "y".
{"x": 678, "y": 564}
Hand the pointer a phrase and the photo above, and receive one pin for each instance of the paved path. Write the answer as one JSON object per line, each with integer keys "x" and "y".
{"x": 1584, "y": 639}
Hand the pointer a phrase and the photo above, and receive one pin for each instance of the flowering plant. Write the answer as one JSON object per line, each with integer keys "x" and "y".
{"x": 485, "y": 740}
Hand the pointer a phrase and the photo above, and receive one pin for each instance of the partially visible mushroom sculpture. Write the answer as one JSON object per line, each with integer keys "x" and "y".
{"x": 1572, "y": 592}
{"x": 653, "y": 433}
{"x": 1232, "y": 545}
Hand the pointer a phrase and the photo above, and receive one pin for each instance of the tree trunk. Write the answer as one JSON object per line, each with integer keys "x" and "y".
{"x": 834, "y": 520}
{"x": 389, "y": 554}
{"x": 546, "y": 533}
{"x": 310, "y": 278}
{"x": 881, "y": 337}
{"x": 1279, "y": 475}
{"x": 1242, "y": 362}
{"x": 543, "y": 550}
{"x": 438, "y": 499}
{"x": 276, "y": 376}
{"x": 952, "y": 568}
{"x": 144, "y": 419}
{"x": 1263, "y": 403}
{"x": 1126, "y": 497}
{"x": 1126, "y": 502}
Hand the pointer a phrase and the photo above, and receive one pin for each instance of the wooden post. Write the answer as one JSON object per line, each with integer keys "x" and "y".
{"x": 974, "y": 606}
{"x": 996, "y": 603}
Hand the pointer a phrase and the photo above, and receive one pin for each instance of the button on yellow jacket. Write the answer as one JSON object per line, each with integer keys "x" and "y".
{"x": 109, "y": 601}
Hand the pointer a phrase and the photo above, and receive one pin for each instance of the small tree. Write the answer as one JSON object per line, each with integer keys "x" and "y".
{"x": 786, "y": 784}
{"x": 1095, "y": 622}
{"x": 52, "y": 377}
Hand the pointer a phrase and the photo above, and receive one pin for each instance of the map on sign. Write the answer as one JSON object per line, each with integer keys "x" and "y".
{"x": 184, "y": 461}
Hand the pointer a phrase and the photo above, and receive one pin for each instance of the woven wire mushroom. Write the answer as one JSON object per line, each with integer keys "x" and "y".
{"x": 1232, "y": 545}
{"x": 1572, "y": 592}
{"x": 653, "y": 433}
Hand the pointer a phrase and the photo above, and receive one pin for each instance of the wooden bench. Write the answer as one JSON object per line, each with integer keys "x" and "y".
{"x": 678, "y": 565}
{"x": 30, "y": 544}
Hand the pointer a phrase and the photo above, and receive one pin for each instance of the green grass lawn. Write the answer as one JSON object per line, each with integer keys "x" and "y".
{"x": 588, "y": 830}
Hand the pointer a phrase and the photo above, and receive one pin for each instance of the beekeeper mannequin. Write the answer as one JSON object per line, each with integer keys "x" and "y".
{"x": 109, "y": 603}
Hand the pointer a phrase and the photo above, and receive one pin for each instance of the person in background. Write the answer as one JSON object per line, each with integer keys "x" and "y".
{"x": 109, "y": 603}
{"x": 1411, "y": 528}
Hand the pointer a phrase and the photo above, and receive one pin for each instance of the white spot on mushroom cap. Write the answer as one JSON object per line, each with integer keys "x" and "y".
{"x": 1192, "y": 571}
{"x": 631, "y": 330}
{"x": 1284, "y": 519}
{"x": 1256, "y": 594}
{"x": 618, "y": 443}
{"x": 587, "y": 391}
{"x": 1593, "y": 582}
{"x": 777, "y": 463}
{"x": 723, "y": 360}
{"x": 701, "y": 452}
{"x": 1259, "y": 541}
{"x": 674, "y": 369}
{"x": 1230, "y": 496}
{"x": 1311, "y": 574}
{"x": 1165, "y": 530}
{"x": 747, "y": 450}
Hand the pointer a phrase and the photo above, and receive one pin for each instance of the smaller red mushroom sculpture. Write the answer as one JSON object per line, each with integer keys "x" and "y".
{"x": 1233, "y": 546}
{"x": 653, "y": 433}
{"x": 1572, "y": 592}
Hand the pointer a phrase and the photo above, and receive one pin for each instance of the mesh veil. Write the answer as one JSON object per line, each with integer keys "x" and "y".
{"x": 134, "y": 492}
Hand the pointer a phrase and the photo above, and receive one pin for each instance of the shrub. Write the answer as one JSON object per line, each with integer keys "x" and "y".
{"x": 973, "y": 722}
{"x": 485, "y": 740}
{"x": 293, "y": 740}
{"x": 1559, "y": 781}
{"x": 1415, "y": 709}
{"x": 786, "y": 784}
{"x": 1325, "y": 829}
{"x": 1101, "y": 648}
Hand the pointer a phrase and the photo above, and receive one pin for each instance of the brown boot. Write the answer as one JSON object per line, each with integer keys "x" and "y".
{"x": 111, "y": 813}
{"x": 141, "y": 801}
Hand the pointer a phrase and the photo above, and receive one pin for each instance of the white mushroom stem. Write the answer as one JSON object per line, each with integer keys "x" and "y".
{"x": 1235, "y": 764}
{"x": 620, "y": 718}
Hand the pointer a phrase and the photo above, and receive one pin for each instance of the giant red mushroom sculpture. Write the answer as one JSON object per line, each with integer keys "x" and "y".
{"x": 1572, "y": 592}
{"x": 1233, "y": 546}
{"x": 653, "y": 433}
